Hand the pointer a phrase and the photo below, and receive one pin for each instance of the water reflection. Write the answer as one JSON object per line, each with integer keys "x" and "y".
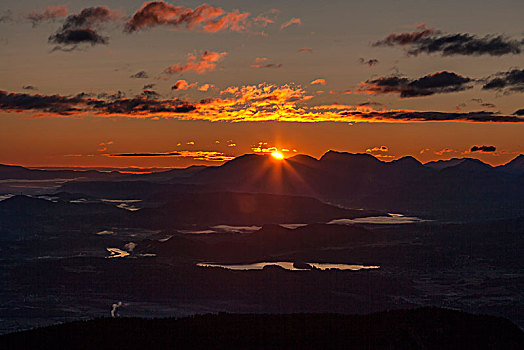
{"x": 289, "y": 266}
{"x": 392, "y": 219}
{"x": 116, "y": 253}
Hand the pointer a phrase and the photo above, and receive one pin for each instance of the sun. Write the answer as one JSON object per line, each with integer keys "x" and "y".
{"x": 277, "y": 155}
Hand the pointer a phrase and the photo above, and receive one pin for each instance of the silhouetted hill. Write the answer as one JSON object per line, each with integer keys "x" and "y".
{"x": 268, "y": 241}
{"x": 245, "y": 209}
{"x": 442, "y": 164}
{"x": 18, "y": 172}
{"x": 459, "y": 189}
{"x": 425, "y": 328}
{"x": 138, "y": 189}
{"x": 516, "y": 166}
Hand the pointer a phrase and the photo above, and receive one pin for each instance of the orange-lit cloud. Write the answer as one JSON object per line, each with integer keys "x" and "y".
{"x": 210, "y": 156}
{"x": 260, "y": 63}
{"x": 251, "y": 103}
{"x": 318, "y": 81}
{"x": 205, "y": 18}
{"x": 290, "y": 22}
{"x": 180, "y": 85}
{"x": 205, "y": 87}
{"x": 305, "y": 49}
{"x": 200, "y": 63}
{"x": 49, "y": 13}
{"x": 444, "y": 151}
{"x": 378, "y": 149}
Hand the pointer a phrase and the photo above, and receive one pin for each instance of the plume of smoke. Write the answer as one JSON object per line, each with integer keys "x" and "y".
{"x": 114, "y": 309}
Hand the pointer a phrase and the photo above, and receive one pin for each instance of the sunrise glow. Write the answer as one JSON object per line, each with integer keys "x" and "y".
{"x": 277, "y": 155}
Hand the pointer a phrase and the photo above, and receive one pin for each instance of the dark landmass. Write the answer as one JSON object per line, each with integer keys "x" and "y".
{"x": 424, "y": 328}
{"x": 57, "y": 236}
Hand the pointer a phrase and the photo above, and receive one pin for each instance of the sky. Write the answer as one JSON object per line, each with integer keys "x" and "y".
{"x": 171, "y": 84}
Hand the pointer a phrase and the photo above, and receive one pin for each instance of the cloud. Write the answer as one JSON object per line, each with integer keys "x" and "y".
{"x": 251, "y": 103}
{"x": 318, "y": 81}
{"x": 519, "y": 112}
{"x": 486, "y": 149}
{"x": 378, "y": 149}
{"x": 49, "y": 13}
{"x": 436, "y": 83}
{"x": 150, "y": 94}
{"x": 78, "y": 36}
{"x": 148, "y": 86}
{"x": 210, "y": 156}
{"x": 445, "y": 150}
{"x": 180, "y": 85}
{"x": 305, "y": 50}
{"x": 205, "y": 87}
{"x": 291, "y": 22}
{"x": 165, "y": 154}
{"x": 29, "y": 87}
{"x": 103, "y": 146}
{"x": 200, "y": 63}
{"x": 510, "y": 81}
{"x": 370, "y": 63}
{"x": 204, "y": 18}
{"x": 140, "y": 75}
{"x": 429, "y": 41}
{"x": 81, "y": 28}
{"x": 259, "y": 63}
{"x": 264, "y": 19}
{"x": 6, "y": 16}
{"x": 53, "y": 104}
{"x": 268, "y": 65}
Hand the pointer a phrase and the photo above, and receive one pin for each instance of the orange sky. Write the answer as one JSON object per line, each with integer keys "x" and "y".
{"x": 162, "y": 84}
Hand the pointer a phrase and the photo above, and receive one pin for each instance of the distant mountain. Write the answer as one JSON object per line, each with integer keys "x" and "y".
{"x": 423, "y": 328}
{"x": 464, "y": 188}
{"x": 442, "y": 164}
{"x": 516, "y": 166}
{"x": 18, "y": 172}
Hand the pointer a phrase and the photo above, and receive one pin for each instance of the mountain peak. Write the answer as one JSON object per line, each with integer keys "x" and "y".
{"x": 341, "y": 156}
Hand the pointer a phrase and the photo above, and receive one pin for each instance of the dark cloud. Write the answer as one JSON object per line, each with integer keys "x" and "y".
{"x": 140, "y": 75}
{"x": 78, "y": 36}
{"x": 105, "y": 104}
{"x": 150, "y": 93}
{"x": 148, "y": 86}
{"x": 29, "y": 87}
{"x": 477, "y": 117}
{"x": 483, "y": 149}
{"x": 370, "y": 63}
{"x": 510, "y": 81}
{"x": 433, "y": 41}
{"x": 81, "y": 28}
{"x": 268, "y": 65}
{"x": 370, "y": 104}
{"x": 436, "y": 83}
{"x": 111, "y": 95}
{"x": 139, "y": 105}
{"x": 519, "y": 112}
{"x": 166, "y": 154}
{"x": 55, "y": 104}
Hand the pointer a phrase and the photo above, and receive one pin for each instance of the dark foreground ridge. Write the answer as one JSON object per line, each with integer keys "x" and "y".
{"x": 424, "y": 328}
